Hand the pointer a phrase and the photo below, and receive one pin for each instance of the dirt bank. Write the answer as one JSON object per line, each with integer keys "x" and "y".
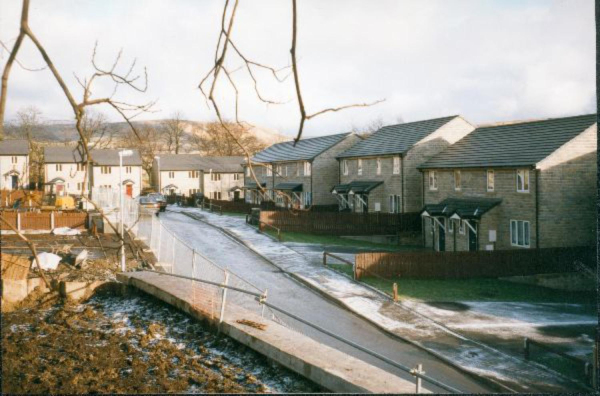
{"x": 128, "y": 344}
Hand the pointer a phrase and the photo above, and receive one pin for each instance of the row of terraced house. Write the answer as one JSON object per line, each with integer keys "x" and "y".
{"x": 514, "y": 185}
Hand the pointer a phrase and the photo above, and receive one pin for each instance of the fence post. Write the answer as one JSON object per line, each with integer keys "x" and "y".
{"x": 595, "y": 367}
{"x": 325, "y": 259}
{"x": 223, "y": 300}
{"x": 193, "y": 262}
{"x": 526, "y": 348}
{"x": 52, "y": 220}
{"x": 173, "y": 255}
{"x": 18, "y": 221}
{"x": 395, "y": 291}
{"x": 416, "y": 371}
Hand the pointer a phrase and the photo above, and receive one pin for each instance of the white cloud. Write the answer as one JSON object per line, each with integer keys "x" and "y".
{"x": 488, "y": 60}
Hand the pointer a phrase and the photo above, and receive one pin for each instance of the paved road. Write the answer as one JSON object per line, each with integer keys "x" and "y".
{"x": 304, "y": 302}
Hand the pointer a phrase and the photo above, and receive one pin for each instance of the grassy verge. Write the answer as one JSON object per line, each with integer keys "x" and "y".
{"x": 338, "y": 241}
{"x": 482, "y": 289}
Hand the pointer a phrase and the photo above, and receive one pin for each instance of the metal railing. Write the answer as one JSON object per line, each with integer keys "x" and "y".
{"x": 221, "y": 287}
{"x": 210, "y": 206}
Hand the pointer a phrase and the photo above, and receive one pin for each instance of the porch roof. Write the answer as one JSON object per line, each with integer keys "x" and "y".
{"x": 463, "y": 208}
{"x": 294, "y": 187}
{"x": 356, "y": 187}
{"x": 56, "y": 180}
{"x": 253, "y": 185}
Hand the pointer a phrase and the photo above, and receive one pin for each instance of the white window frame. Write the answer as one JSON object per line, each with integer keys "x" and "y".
{"x": 236, "y": 176}
{"x": 396, "y": 170}
{"x": 279, "y": 170}
{"x": 525, "y": 180}
{"x": 394, "y": 203}
{"x": 59, "y": 167}
{"x": 461, "y": 227}
{"x": 14, "y": 159}
{"x": 450, "y": 226}
{"x": 378, "y": 163}
{"x": 171, "y": 175}
{"x": 128, "y": 169}
{"x": 457, "y": 180}
{"x": 359, "y": 166}
{"x": 307, "y": 168}
{"x": 520, "y": 226}
{"x": 490, "y": 186}
{"x": 248, "y": 171}
{"x": 269, "y": 170}
{"x": 433, "y": 180}
{"x": 345, "y": 167}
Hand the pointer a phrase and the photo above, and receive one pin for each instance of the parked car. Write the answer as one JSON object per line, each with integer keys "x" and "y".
{"x": 158, "y": 197}
{"x": 149, "y": 202}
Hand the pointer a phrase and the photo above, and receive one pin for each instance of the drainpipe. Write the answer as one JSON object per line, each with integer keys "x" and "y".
{"x": 402, "y": 177}
{"x": 537, "y": 209}
{"x": 422, "y": 218}
{"x": 311, "y": 184}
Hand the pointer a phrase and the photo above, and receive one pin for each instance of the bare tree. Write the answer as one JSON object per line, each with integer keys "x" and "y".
{"x": 172, "y": 131}
{"x": 149, "y": 145}
{"x": 215, "y": 141}
{"x": 97, "y": 130}
{"x": 29, "y": 121}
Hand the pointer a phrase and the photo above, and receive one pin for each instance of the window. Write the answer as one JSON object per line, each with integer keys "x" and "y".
{"x": 461, "y": 227}
{"x": 79, "y": 186}
{"x": 194, "y": 191}
{"x": 298, "y": 169}
{"x": 279, "y": 170}
{"x": 360, "y": 167}
{"x": 396, "y": 165}
{"x": 216, "y": 195}
{"x": 58, "y": 167}
{"x": 237, "y": 176}
{"x": 80, "y": 167}
{"x": 248, "y": 171}
{"x": 379, "y": 166}
{"x": 394, "y": 203}
{"x": 105, "y": 170}
{"x": 194, "y": 174}
{"x": 450, "y": 226}
{"x": 215, "y": 176}
{"x": 522, "y": 180}
{"x": 13, "y": 159}
{"x": 457, "y": 180}
{"x": 269, "y": 170}
{"x": 286, "y": 170}
{"x": 306, "y": 199}
{"x": 171, "y": 175}
{"x": 307, "y": 168}
{"x": 519, "y": 233}
{"x": 432, "y": 180}
{"x": 490, "y": 180}
{"x": 345, "y": 167}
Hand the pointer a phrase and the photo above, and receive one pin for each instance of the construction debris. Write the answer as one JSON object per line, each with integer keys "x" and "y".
{"x": 65, "y": 231}
{"x": 48, "y": 261}
{"x": 250, "y": 323}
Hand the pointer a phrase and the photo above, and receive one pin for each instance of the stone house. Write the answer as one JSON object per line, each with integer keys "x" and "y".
{"x": 379, "y": 173}
{"x": 299, "y": 176}
{"x": 14, "y": 164}
{"x": 514, "y": 185}
{"x": 219, "y": 178}
{"x": 65, "y": 171}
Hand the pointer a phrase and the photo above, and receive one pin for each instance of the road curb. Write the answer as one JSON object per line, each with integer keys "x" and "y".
{"x": 490, "y": 382}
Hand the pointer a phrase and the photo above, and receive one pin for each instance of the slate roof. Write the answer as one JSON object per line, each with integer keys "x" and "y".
{"x": 253, "y": 186}
{"x": 395, "y": 139}
{"x": 295, "y": 187}
{"x": 108, "y": 157}
{"x": 512, "y": 145}
{"x": 465, "y": 208}
{"x": 306, "y": 149}
{"x": 14, "y": 147}
{"x": 357, "y": 187}
{"x": 179, "y": 162}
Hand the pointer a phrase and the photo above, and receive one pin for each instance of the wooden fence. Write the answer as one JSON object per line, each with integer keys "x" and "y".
{"x": 233, "y": 206}
{"x": 327, "y": 223}
{"x": 480, "y": 264}
{"x": 44, "y": 221}
{"x": 8, "y": 198}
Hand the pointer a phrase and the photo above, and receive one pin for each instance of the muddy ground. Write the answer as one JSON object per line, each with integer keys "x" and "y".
{"x": 127, "y": 344}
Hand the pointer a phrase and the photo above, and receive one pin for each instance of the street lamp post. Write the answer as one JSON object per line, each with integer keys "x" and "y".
{"x": 122, "y": 153}
{"x": 157, "y": 158}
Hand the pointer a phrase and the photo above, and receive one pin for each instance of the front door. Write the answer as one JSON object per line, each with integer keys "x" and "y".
{"x": 441, "y": 238}
{"x": 129, "y": 190}
{"x": 15, "y": 182}
{"x": 59, "y": 189}
{"x": 472, "y": 238}
{"x": 236, "y": 195}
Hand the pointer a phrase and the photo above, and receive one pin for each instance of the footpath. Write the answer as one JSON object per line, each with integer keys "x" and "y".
{"x": 509, "y": 373}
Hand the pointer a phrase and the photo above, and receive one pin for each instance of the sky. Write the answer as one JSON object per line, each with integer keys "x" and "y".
{"x": 487, "y": 60}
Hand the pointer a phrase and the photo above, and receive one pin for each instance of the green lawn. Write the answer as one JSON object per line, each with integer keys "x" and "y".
{"x": 335, "y": 240}
{"x": 482, "y": 289}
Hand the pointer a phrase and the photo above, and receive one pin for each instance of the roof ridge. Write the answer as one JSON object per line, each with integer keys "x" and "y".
{"x": 415, "y": 122}
{"x": 530, "y": 121}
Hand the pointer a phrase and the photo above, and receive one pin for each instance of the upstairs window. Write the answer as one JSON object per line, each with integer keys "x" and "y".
{"x": 248, "y": 171}
{"x": 279, "y": 170}
{"x": 13, "y": 159}
{"x": 298, "y": 169}
{"x": 307, "y": 168}
{"x": 269, "y": 170}
{"x": 128, "y": 169}
{"x": 457, "y": 180}
{"x": 171, "y": 175}
{"x": 106, "y": 170}
{"x": 490, "y": 180}
{"x": 194, "y": 174}
{"x": 345, "y": 167}
{"x": 396, "y": 165}
{"x": 58, "y": 167}
{"x": 80, "y": 167}
{"x": 360, "y": 167}
{"x": 522, "y": 180}
{"x": 215, "y": 176}
{"x": 237, "y": 176}
{"x": 379, "y": 166}
{"x": 433, "y": 180}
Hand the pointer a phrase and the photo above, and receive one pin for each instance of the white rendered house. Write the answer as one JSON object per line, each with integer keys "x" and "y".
{"x": 14, "y": 164}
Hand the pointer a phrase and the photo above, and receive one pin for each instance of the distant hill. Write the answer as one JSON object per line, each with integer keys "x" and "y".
{"x": 66, "y": 132}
